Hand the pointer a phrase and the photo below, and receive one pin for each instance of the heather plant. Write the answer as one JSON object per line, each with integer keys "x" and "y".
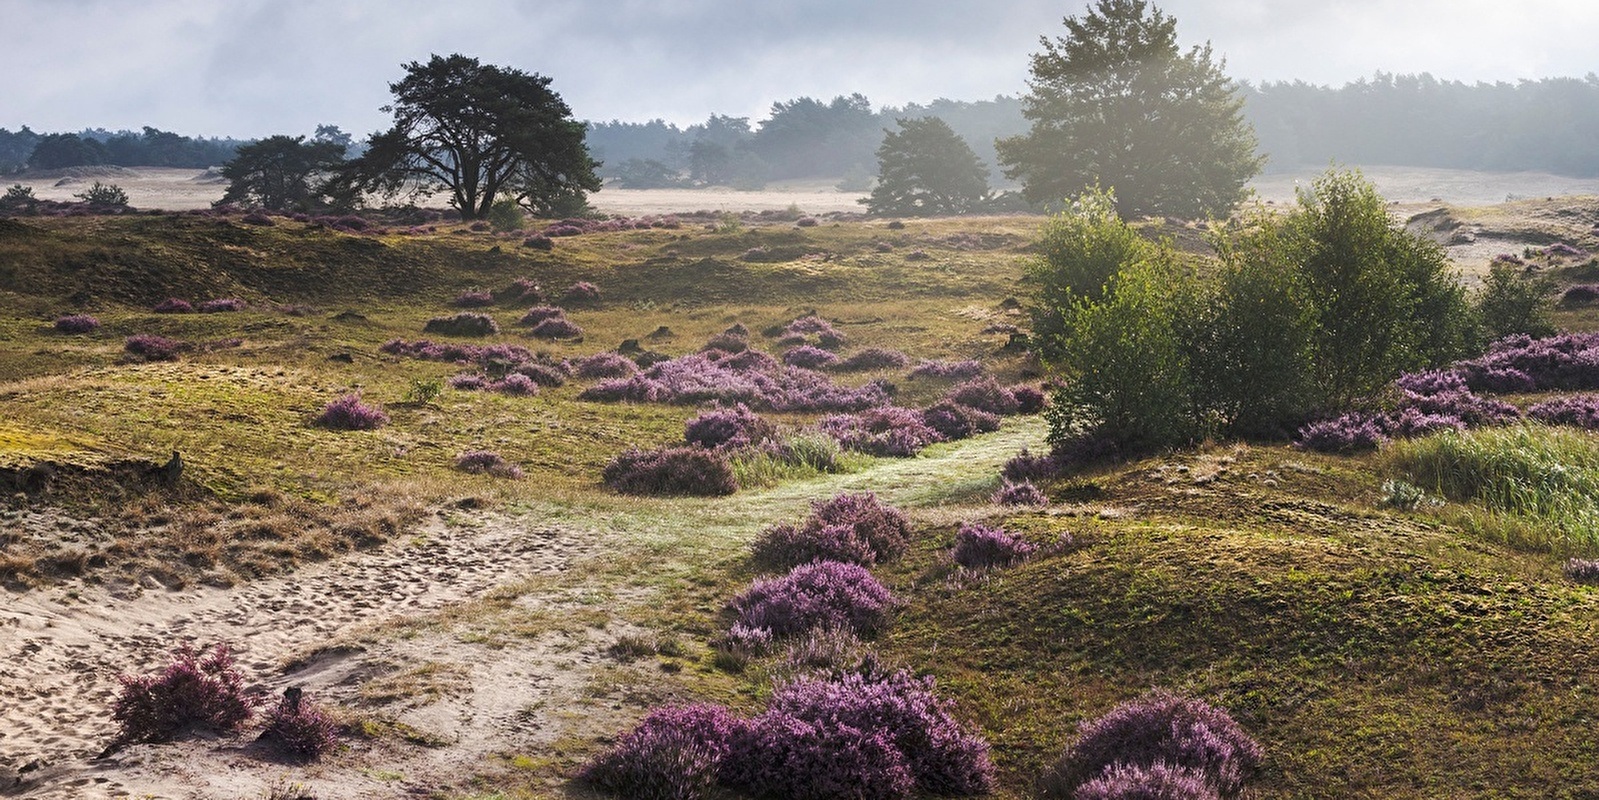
{"x": 581, "y": 293}
{"x": 539, "y": 241}
{"x": 979, "y": 546}
{"x": 301, "y": 729}
{"x": 538, "y": 314}
{"x": 1579, "y": 411}
{"x": 541, "y": 372}
{"x": 474, "y": 298}
{"x": 150, "y": 347}
{"x": 727, "y": 342}
{"x": 809, "y": 357}
{"x": 173, "y": 305}
{"x": 1029, "y": 399}
{"x": 1019, "y": 494}
{"x": 557, "y": 328}
{"x": 487, "y": 462}
{"x": 196, "y": 689}
{"x": 1158, "y": 781}
{"x": 782, "y": 756}
{"x": 468, "y": 382}
{"x": 1158, "y": 728}
{"x": 883, "y": 527}
{"x": 1580, "y": 295}
{"x": 348, "y": 413}
{"x": 888, "y": 431}
{"x": 515, "y": 384}
{"x": 673, "y": 753}
{"x": 815, "y": 595}
{"x": 954, "y": 421}
{"x": 1581, "y": 570}
{"x": 671, "y": 471}
{"x": 605, "y": 365}
{"x": 463, "y": 324}
{"x": 728, "y": 428}
{"x": 785, "y": 546}
{"x": 755, "y": 381}
{"x": 1026, "y": 466}
{"x": 1347, "y": 433}
{"x": 872, "y": 358}
{"x": 76, "y": 323}
{"x": 986, "y": 395}
{"x": 949, "y": 370}
{"x": 521, "y": 290}
{"x": 1567, "y": 361}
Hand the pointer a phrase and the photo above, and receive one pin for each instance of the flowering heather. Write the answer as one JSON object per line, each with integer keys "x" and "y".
{"x": 195, "y": 689}
{"x": 521, "y": 290}
{"x": 728, "y": 428}
{"x": 809, "y": 357}
{"x": 1582, "y": 570}
{"x": 487, "y": 462}
{"x": 257, "y": 218}
{"x": 580, "y": 293}
{"x": 468, "y": 382}
{"x": 77, "y": 323}
{"x": 873, "y": 358}
{"x": 1025, "y": 466}
{"x": 1029, "y": 399}
{"x": 888, "y": 431}
{"x": 804, "y": 329}
{"x": 949, "y": 370}
{"x": 1581, "y": 411}
{"x": 815, "y": 595}
{"x": 748, "y": 361}
{"x": 1431, "y": 382}
{"x": 727, "y": 343}
{"x": 1460, "y": 404}
{"x": 786, "y": 546}
{"x": 557, "y": 328}
{"x": 1019, "y": 494}
{"x": 673, "y": 753}
{"x": 985, "y": 394}
{"x": 539, "y": 241}
{"x": 943, "y": 758}
{"x": 606, "y": 365}
{"x": 221, "y": 305}
{"x": 1565, "y": 250}
{"x": 348, "y": 413}
{"x": 1349, "y": 433}
{"x": 538, "y": 314}
{"x": 474, "y": 298}
{"x": 463, "y": 324}
{"x": 150, "y": 347}
{"x": 671, "y": 471}
{"x": 515, "y": 384}
{"x": 782, "y": 756}
{"x": 301, "y": 729}
{"x": 954, "y": 421}
{"x": 1158, "y": 781}
{"x": 883, "y": 527}
{"x": 1567, "y": 361}
{"x": 1411, "y": 422}
{"x": 979, "y": 546}
{"x": 702, "y": 378}
{"x": 1581, "y": 294}
{"x": 542, "y": 373}
{"x": 1508, "y": 258}
{"x": 1159, "y": 728}
{"x": 173, "y": 305}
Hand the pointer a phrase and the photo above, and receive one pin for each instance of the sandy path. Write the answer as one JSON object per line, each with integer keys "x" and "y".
{"x": 59, "y": 656}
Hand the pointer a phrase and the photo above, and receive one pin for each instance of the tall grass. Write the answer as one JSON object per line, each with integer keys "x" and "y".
{"x": 1538, "y": 485}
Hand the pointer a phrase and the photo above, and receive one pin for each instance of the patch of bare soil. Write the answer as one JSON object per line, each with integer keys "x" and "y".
{"x": 361, "y": 632}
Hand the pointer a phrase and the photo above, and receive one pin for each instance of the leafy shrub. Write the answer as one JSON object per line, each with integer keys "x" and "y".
{"x": 728, "y": 428}
{"x": 151, "y": 347}
{"x": 301, "y": 729}
{"x": 474, "y": 298}
{"x": 815, "y": 595}
{"x": 979, "y": 546}
{"x": 173, "y": 305}
{"x": 1347, "y": 433}
{"x": 1158, "y": 781}
{"x": 463, "y": 324}
{"x": 809, "y": 357}
{"x": 954, "y": 421}
{"x": 348, "y": 413}
{"x": 1080, "y": 251}
{"x": 1515, "y": 300}
{"x": 671, "y": 471}
{"x": 1581, "y": 411}
{"x": 581, "y": 293}
{"x": 108, "y": 195}
{"x": 873, "y": 358}
{"x": 949, "y": 370}
{"x": 515, "y": 384}
{"x": 606, "y": 365}
{"x": 487, "y": 462}
{"x": 1019, "y": 494}
{"x": 888, "y": 431}
{"x": 197, "y": 688}
{"x": 538, "y": 314}
{"x": 505, "y": 215}
{"x": 221, "y": 305}
{"x": 673, "y": 753}
{"x": 557, "y": 328}
{"x": 77, "y": 323}
{"x": 985, "y": 394}
{"x": 1159, "y": 728}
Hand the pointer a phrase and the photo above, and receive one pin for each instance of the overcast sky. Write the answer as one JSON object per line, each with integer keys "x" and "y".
{"x": 250, "y": 68}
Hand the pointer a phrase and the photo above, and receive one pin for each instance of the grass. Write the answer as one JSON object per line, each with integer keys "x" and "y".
{"x": 1375, "y": 651}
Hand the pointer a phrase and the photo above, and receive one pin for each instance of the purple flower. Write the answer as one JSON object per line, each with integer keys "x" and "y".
{"x": 76, "y": 323}
{"x": 348, "y": 413}
{"x": 816, "y": 595}
{"x": 978, "y": 546}
{"x": 1019, "y": 494}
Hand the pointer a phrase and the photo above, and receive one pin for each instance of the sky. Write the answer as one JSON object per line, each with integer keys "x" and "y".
{"x": 253, "y": 68}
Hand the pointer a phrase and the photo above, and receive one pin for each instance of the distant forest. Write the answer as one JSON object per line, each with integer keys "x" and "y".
{"x": 1549, "y": 125}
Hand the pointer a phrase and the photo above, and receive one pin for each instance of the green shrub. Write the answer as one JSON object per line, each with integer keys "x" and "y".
{"x": 104, "y": 194}
{"x": 1513, "y": 300}
{"x": 505, "y": 215}
{"x": 1082, "y": 248}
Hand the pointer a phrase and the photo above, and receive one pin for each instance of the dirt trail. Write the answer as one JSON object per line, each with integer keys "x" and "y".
{"x": 60, "y": 655}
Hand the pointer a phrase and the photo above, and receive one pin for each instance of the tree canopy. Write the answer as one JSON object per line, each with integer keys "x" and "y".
{"x": 478, "y": 132}
{"x": 282, "y": 173}
{"x": 925, "y": 169}
{"x": 1114, "y": 103}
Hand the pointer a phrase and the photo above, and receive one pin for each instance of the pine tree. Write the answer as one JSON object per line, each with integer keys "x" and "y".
{"x": 925, "y": 169}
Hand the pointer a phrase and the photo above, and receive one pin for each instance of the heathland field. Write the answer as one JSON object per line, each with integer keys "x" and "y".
{"x": 451, "y": 574}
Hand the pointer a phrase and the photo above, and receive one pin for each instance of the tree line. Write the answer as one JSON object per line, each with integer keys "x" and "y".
{"x": 151, "y": 147}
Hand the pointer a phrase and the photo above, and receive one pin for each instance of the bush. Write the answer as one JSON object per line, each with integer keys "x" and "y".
{"x": 954, "y": 421}
{"x": 487, "y": 462}
{"x": 348, "y": 413}
{"x": 1025, "y": 466}
{"x": 173, "y": 305}
{"x": 1019, "y": 494}
{"x": 606, "y": 365}
{"x": 981, "y": 547}
{"x": 809, "y": 357}
{"x": 221, "y": 305}
{"x": 196, "y": 689}
{"x": 1581, "y": 411}
{"x": 986, "y": 395}
{"x": 301, "y": 729}
{"x": 1159, "y": 728}
{"x": 1153, "y": 782}
{"x": 728, "y": 428}
{"x": 150, "y": 347}
{"x": 782, "y": 756}
{"x": 888, "y": 431}
{"x": 1580, "y": 295}
{"x": 785, "y": 546}
{"x": 581, "y": 293}
{"x": 539, "y": 241}
{"x": 1029, "y": 399}
{"x": 671, "y": 471}
{"x": 1567, "y": 361}
{"x": 873, "y": 358}
{"x": 77, "y": 323}
{"x": 538, "y": 314}
{"x": 468, "y": 382}
{"x": 108, "y": 195}
{"x": 515, "y": 384}
{"x": 474, "y": 298}
{"x": 521, "y": 290}
{"x": 1081, "y": 250}
{"x": 1515, "y": 300}
{"x": 1348, "y": 433}
{"x": 557, "y": 328}
{"x": 673, "y": 753}
{"x": 505, "y": 215}
{"x": 463, "y": 324}
{"x": 884, "y": 528}
{"x": 815, "y": 595}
